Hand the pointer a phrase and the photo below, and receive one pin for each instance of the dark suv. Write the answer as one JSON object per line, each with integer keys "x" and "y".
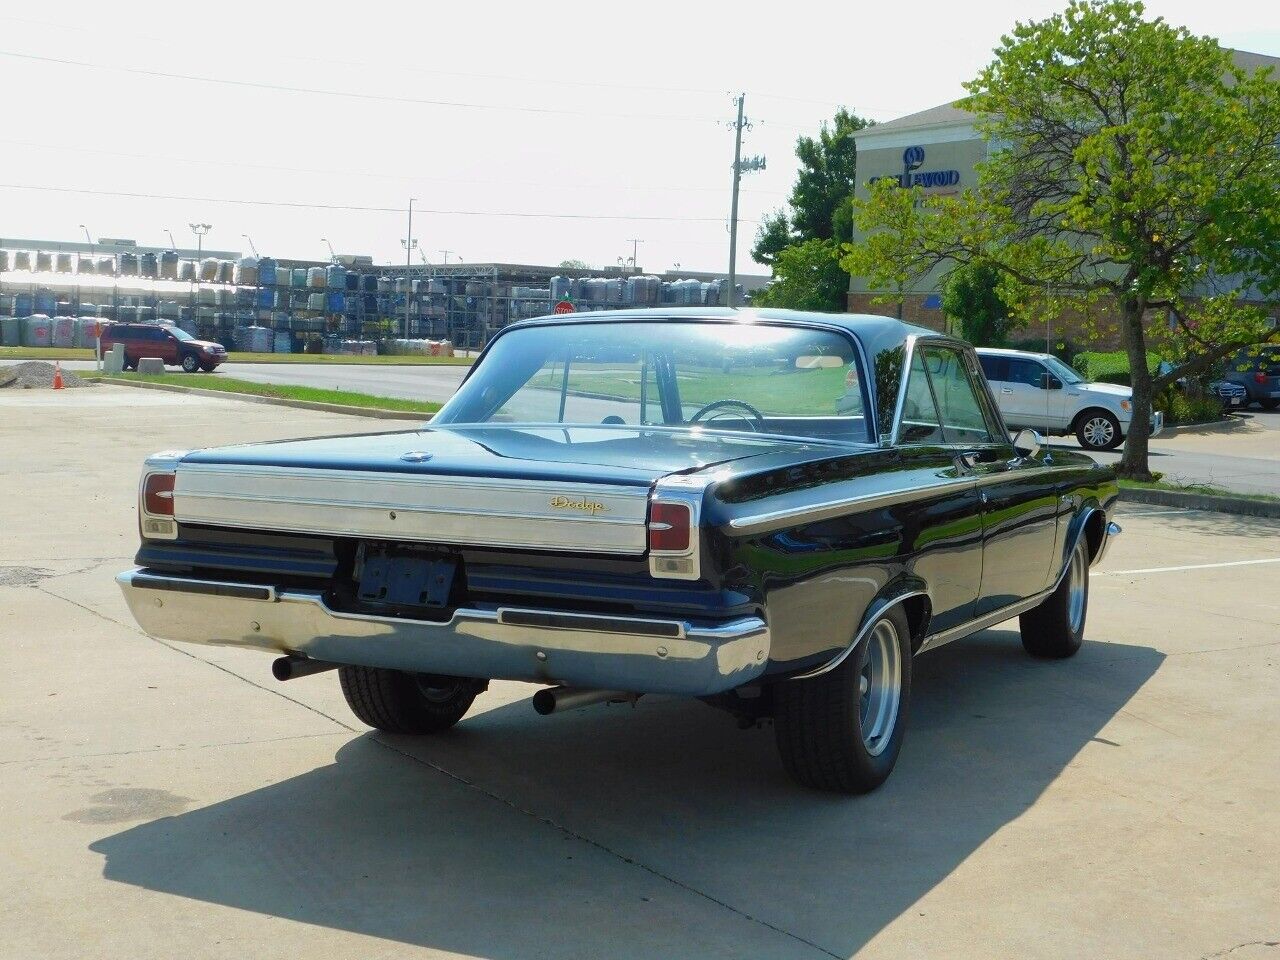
{"x": 174, "y": 346}
{"x": 1257, "y": 369}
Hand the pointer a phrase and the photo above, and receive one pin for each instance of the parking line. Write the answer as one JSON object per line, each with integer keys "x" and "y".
{"x": 1191, "y": 566}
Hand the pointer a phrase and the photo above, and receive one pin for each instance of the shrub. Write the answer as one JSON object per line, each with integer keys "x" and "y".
{"x": 1180, "y": 408}
{"x": 1110, "y": 367}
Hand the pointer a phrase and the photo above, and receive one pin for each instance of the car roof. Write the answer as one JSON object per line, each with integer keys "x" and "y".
{"x": 876, "y": 332}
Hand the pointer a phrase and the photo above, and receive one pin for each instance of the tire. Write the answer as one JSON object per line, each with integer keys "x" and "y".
{"x": 820, "y": 722}
{"x": 1055, "y": 629}
{"x": 190, "y": 363}
{"x": 207, "y": 367}
{"x": 1098, "y": 430}
{"x": 128, "y": 363}
{"x": 400, "y": 702}
{"x": 1269, "y": 403}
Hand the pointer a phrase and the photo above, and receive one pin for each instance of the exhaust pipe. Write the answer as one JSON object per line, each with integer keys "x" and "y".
{"x": 557, "y": 699}
{"x": 294, "y": 666}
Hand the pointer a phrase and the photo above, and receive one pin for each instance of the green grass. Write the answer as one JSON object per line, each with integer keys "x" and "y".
{"x": 76, "y": 353}
{"x": 218, "y": 382}
{"x": 1201, "y": 488}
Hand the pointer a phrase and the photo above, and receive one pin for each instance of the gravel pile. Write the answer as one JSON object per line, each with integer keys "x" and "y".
{"x": 36, "y": 373}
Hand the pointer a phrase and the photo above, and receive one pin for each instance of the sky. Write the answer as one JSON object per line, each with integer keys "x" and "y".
{"x": 526, "y": 133}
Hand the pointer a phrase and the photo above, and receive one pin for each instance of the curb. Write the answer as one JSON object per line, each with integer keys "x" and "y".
{"x": 1217, "y": 426}
{"x": 274, "y": 401}
{"x": 1201, "y": 501}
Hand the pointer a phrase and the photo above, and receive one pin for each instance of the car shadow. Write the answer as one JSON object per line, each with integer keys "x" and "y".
{"x": 535, "y": 840}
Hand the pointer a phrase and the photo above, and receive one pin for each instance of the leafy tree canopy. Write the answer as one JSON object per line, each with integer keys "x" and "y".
{"x": 807, "y": 276}
{"x": 971, "y": 299}
{"x": 1138, "y": 168}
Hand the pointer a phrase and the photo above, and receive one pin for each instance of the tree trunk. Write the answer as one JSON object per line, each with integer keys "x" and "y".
{"x": 1133, "y": 464}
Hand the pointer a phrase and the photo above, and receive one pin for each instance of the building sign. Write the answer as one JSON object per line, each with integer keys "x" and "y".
{"x": 913, "y": 176}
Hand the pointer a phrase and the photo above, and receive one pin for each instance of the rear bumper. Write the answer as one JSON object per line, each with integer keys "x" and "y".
{"x": 542, "y": 646}
{"x": 1109, "y": 532}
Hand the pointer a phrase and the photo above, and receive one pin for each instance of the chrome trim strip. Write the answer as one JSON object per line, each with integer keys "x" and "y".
{"x": 605, "y": 652}
{"x": 935, "y": 640}
{"x": 901, "y": 401}
{"x": 859, "y": 637}
{"x": 778, "y": 519}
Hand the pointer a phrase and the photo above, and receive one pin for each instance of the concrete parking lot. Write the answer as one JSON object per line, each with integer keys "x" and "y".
{"x": 164, "y": 801}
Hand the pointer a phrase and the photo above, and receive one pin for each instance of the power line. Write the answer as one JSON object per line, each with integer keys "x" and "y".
{"x": 351, "y": 95}
{"x": 67, "y": 148}
{"x": 358, "y": 208}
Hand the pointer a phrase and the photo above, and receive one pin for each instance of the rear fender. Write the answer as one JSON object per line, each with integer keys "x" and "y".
{"x": 909, "y": 592}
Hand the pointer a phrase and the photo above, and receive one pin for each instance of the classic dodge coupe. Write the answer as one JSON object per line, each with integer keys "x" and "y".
{"x": 771, "y": 511}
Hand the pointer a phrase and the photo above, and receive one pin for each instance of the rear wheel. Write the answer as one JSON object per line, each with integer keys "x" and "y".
{"x": 1098, "y": 430}
{"x": 190, "y": 363}
{"x": 842, "y": 731}
{"x": 1055, "y": 629}
{"x": 128, "y": 363}
{"x": 401, "y": 702}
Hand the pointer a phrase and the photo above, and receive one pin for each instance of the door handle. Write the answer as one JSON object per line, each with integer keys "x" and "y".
{"x": 1006, "y": 390}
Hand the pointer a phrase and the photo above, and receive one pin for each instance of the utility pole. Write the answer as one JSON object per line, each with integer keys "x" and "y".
{"x": 408, "y": 264}
{"x": 446, "y": 254}
{"x": 740, "y": 167}
{"x": 635, "y": 252}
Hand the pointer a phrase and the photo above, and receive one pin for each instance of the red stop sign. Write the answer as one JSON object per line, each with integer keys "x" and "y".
{"x": 564, "y": 306}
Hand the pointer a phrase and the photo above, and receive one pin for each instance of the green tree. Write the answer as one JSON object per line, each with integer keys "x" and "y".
{"x": 773, "y": 234}
{"x": 807, "y": 276}
{"x": 1138, "y": 169}
{"x": 971, "y": 299}
{"x": 573, "y": 265}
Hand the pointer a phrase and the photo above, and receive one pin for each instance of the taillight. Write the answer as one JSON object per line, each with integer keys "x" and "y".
{"x": 669, "y": 525}
{"x": 1259, "y": 377}
{"x": 157, "y": 494}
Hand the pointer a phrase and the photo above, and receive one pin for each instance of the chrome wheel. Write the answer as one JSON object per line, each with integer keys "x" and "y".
{"x": 880, "y": 688}
{"x": 1098, "y": 432}
{"x": 1077, "y": 589}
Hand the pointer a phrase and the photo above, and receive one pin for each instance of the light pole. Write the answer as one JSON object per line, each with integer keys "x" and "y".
{"x": 251, "y": 246}
{"x": 635, "y": 253}
{"x": 173, "y": 244}
{"x": 332, "y": 256}
{"x": 200, "y": 229}
{"x": 446, "y": 253}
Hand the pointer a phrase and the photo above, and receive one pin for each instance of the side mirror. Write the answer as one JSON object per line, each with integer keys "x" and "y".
{"x": 1049, "y": 382}
{"x": 1027, "y": 442}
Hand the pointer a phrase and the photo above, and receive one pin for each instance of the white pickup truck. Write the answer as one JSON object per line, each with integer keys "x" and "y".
{"x": 1039, "y": 391}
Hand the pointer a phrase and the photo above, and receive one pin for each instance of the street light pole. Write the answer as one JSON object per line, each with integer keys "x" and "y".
{"x": 332, "y": 256}
{"x": 173, "y": 244}
{"x": 251, "y": 246}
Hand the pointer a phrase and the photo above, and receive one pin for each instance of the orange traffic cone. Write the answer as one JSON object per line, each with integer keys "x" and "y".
{"x": 57, "y": 375}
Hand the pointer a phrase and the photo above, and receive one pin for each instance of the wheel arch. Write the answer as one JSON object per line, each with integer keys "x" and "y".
{"x": 911, "y": 594}
{"x": 1084, "y": 411}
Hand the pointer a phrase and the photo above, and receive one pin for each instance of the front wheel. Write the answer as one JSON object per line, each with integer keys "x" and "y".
{"x": 842, "y": 730}
{"x": 128, "y": 363}
{"x": 190, "y": 363}
{"x": 1099, "y": 430}
{"x": 1055, "y": 629}
{"x": 401, "y": 702}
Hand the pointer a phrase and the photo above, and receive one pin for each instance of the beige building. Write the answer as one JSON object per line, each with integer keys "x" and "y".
{"x": 936, "y": 149}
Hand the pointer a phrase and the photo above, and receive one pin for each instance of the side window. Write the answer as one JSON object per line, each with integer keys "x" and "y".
{"x": 958, "y": 406}
{"x": 1025, "y": 371}
{"x": 920, "y": 421}
{"x": 994, "y": 368}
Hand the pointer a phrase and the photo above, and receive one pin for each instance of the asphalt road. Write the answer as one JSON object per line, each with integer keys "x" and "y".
{"x": 175, "y": 801}
{"x": 1246, "y": 460}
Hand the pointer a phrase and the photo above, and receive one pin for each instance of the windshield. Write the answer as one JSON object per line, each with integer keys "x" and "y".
{"x": 1062, "y": 371}
{"x": 763, "y": 379}
{"x": 180, "y": 333}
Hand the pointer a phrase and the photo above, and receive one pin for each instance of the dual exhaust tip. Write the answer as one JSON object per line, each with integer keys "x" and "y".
{"x": 546, "y": 701}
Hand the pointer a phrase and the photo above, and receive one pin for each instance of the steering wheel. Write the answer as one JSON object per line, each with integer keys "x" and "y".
{"x": 722, "y": 404}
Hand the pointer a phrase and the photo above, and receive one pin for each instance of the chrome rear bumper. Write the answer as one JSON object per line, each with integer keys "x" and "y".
{"x": 542, "y": 646}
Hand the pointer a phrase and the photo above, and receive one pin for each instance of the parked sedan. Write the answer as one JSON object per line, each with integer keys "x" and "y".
{"x": 771, "y": 511}
{"x": 1039, "y": 391}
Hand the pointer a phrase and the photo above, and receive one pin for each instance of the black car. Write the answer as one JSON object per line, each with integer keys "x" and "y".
{"x": 772, "y": 511}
